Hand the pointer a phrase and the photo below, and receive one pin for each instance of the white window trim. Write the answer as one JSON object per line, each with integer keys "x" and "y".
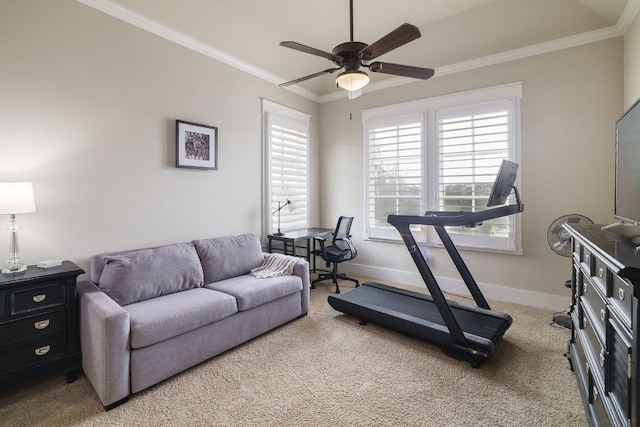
{"x": 287, "y": 114}
{"x": 428, "y": 107}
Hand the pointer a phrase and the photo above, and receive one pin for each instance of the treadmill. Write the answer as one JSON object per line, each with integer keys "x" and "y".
{"x": 465, "y": 332}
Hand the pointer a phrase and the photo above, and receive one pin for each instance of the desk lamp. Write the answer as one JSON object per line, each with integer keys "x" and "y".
{"x": 280, "y": 206}
{"x": 15, "y": 198}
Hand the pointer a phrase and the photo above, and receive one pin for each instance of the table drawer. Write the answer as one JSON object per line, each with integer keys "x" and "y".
{"x": 24, "y": 301}
{"x": 32, "y": 354}
{"x": 32, "y": 327}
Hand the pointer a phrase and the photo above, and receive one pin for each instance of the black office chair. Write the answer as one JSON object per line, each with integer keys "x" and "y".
{"x": 341, "y": 249}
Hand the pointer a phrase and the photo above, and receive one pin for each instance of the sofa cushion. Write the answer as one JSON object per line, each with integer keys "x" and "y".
{"x": 140, "y": 275}
{"x": 251, "y": 292}
{"x": 231, "y": 256}
{"x": 161, "y": 318}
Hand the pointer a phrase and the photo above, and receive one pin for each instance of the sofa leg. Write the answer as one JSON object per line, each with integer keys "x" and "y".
{"x": 118, "y": 403}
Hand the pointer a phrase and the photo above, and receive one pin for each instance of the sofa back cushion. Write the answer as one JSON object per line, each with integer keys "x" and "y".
{"x": 230, "y": 256}
{"x": 139, "y": 275}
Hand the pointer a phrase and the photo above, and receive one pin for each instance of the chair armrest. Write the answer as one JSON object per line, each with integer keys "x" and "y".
{"x": 104, "y": 340}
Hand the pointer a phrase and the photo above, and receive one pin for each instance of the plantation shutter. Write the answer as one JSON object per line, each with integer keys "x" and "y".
{"x": 394, "y": 175}
{"x": 288, "y": 172}
{"x": 471, "y": 143}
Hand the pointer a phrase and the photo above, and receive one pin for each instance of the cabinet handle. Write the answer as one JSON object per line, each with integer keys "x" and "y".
{"x": 584, "y": 288}
{"x": 603, "y": 314}
{"x": 41, "y": 351}
{"x": 39, "y": 298}
{"x": 595, "y": 393}
{"x": 601, "y": 272}
{"x": 585, "y": 322}
{"x": 41, "y": 324}
{"x": 602, "y": 357}
{"x": 586, "y": 258}
{"x": 621, "y": 294}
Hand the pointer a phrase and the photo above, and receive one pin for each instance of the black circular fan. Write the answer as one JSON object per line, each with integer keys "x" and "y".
{"x": 558, "y": 238}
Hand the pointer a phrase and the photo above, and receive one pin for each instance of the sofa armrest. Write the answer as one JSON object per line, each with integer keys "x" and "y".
{"x": 104, "y": 339}
{"x": 301, "y": 269}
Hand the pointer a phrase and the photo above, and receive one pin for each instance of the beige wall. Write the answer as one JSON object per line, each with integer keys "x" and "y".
{"x": 571, "y": 99}
{"x": 87, "y": 112}
{"x": 632, "y": 63}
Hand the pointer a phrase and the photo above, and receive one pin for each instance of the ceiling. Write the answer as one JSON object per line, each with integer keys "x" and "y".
{"x": 455, "y": 34}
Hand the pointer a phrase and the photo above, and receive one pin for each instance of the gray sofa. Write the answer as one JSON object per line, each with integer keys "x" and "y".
{"x": 148, "y": 314}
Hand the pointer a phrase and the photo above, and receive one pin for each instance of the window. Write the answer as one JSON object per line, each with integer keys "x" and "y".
{"x": 442, "y": 154}
{"x": 286, "y": 135}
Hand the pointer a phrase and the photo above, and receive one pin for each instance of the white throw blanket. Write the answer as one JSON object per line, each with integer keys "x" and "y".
{"x": 275, "y": 265}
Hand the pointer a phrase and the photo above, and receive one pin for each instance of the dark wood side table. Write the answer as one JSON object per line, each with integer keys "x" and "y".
{"x": 39, "y": 322}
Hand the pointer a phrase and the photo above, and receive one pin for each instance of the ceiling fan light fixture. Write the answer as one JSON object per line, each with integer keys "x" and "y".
{"x": 352, "y": 80}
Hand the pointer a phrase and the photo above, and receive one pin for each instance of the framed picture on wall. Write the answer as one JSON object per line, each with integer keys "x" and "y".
{"x": 196, "y": 146}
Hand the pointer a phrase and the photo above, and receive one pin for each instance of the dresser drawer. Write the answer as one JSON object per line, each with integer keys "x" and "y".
{"x": 601, "y": 276}
{"x": 43, "y": 351}
{"x": 595, "y": 308}
{"x": 594, "y": 349}
{"x": 619, "y": 370}
{"x": 622, "y": 299}
{"x": 586, "y": 260}
{"x": 24, "y": 301}
{"x": 32, "y": 327}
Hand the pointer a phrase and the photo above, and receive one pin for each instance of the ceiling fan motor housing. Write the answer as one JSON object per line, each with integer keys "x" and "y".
{"x": 349, "y": 52}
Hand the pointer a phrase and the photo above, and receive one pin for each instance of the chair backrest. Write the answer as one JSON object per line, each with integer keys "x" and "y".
{"x": 342, "y": 236}
{"x": 343, "y": 228}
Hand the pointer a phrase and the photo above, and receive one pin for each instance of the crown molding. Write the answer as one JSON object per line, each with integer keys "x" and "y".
{"x": 124, "y": 14}
{"x": 109, "y": 7}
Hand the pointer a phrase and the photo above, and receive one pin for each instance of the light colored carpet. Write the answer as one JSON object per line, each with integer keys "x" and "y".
{"x": 327, "y": 370}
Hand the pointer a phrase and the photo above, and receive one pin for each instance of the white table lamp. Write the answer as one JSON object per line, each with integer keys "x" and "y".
{"x": 15, "y": 198}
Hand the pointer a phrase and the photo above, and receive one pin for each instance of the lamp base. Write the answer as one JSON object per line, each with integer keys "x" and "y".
{"x": 14, "y": 268}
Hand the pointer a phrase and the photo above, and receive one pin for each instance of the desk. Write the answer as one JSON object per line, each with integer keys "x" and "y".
{"x": 291, "y": 241}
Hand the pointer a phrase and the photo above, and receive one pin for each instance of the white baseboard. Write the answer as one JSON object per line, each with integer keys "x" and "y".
{"x": 457, "y": 286}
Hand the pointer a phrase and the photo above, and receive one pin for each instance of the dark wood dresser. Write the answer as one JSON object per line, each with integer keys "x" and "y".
{"x": 603, "y": 348}
{"x": 39, "y": 322}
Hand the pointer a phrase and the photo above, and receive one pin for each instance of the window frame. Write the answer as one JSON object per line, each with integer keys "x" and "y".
{"x": 428, "y": 108}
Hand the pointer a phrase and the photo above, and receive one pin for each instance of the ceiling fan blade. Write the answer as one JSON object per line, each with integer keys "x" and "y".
{"x": 301, "y": 79}
{"x": 401, "y": 70}
{"x": 396, "y": 38}
{"x": 311, "y": 50}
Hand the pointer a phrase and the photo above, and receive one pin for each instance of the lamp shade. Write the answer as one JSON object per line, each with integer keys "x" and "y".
{"x": 16, "y": 197}
{"x": 352, "y": 80}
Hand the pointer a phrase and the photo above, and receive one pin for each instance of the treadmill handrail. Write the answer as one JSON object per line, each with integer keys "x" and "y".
{"x": 447, "y": 218}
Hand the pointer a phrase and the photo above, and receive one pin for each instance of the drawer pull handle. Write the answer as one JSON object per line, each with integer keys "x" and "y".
{"x": 41, "y": 324}
{"x": 586, "y": 258}
{"x": 584, "y": 288}
{"x": 585, "y": 322}
{"x": 602, "y": 357}
{"x": 595, "y": 394}
{"x": 601, "y": 272}
{"x": 39, "y": 298}
{"x": 603, "y": 314}
{"x": 621, "y": 294}
{"x": 41, "y": 351}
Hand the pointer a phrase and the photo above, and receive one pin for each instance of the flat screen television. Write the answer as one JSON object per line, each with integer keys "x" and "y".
{"x": 627, "y": 179}
{"x": 503, "y": 184}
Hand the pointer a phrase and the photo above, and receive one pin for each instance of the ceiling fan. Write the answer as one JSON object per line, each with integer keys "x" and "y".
{"x": 352, "y": 55}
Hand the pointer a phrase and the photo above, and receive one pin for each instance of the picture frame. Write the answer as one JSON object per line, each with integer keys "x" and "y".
{"x": 196, "y": 146}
